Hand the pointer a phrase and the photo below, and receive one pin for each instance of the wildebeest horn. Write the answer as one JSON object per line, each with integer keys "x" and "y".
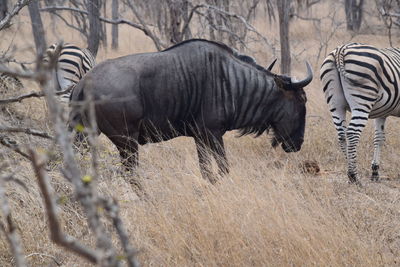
{"x": 271, "y": 65}
{"x": 306, "y": 81}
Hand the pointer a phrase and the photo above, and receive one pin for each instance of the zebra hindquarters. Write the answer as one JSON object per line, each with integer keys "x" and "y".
{"x": 335, "y": 99}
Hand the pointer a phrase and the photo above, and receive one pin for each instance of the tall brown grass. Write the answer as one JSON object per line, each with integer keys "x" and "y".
{"x": 266, "y": 212}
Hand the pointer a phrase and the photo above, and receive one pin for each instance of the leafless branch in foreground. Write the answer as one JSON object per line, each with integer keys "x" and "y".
{"x": 51, "y": 209}
{"x": 111, "y": 206}
{"x": 83, "y": 188}
{"x": 104, "y": 253}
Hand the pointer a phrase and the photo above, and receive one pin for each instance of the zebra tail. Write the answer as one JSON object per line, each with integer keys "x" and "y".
{"x": 339, "y": 61}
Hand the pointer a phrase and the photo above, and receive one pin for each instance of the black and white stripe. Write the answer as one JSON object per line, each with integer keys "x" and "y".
{"x": 364, "y": 80}
{"x": 72, "y": 64}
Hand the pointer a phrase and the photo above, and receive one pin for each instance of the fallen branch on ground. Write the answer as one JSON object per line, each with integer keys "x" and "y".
{"x": 25, "y": 130}
{"x": 31, "y": 94}
{"x": 11, "y": 144}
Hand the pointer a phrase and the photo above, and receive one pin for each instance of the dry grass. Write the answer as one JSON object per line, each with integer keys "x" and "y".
{"x": 266, "y": 212}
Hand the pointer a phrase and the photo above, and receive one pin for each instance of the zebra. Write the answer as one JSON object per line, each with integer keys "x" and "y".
{"x": 364, "y": 80}
{"x": 72, "y": 64}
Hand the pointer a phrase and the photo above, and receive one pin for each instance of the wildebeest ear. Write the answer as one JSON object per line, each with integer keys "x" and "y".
{"x": 289, "y": 84}
{"x": 282, "y": 82}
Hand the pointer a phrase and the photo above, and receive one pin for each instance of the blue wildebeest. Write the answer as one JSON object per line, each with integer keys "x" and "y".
{"x": 197, "y": 88}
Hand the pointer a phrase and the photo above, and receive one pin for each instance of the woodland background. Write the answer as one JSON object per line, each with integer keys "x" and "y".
{"x": 268, "y": 211}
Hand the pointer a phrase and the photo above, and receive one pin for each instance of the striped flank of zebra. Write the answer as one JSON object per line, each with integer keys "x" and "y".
{"x": 364, "y": 80}
{"x": 72, "y": 64}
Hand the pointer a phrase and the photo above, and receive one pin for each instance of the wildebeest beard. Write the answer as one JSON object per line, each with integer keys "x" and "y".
{"x": 290, "y": 141}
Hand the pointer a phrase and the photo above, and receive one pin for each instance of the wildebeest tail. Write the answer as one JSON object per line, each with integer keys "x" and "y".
{"x": 77, "y": 109}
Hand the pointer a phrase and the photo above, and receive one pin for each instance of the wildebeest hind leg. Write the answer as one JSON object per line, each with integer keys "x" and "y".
{"x": 128, "y": 150}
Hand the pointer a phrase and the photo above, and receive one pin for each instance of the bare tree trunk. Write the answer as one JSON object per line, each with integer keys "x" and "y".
{"x": 104, "y": 39}
{"x": 353, "y": 10}
{"x": 93, "y": 8}
{"x": 210, "y": 18}
{"x": 185, "y": 15}
{"x": 283, "y": 11}
{"x": 3, "y": 8}
{"x": 175, "y": 11}
{"x": 114, "y": 27}
{"x": 37, "y": 27}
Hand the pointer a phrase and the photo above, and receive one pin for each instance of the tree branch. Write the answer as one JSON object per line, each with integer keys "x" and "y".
{"x": 17, "y": 7}
{"x": 247, "y": 25}
{"x": 5, "y": 141}
{"x": 25, "y": 130}
{"x": 141, "y": 27}
{"x": 111, "y": 206}
{"x": 30, "y": 95}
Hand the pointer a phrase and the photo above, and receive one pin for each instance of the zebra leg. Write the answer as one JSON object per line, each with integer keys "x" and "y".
{"x": 379, "y": 139}
{"x": 339, "y": 119}
{"x": 354, "y": 130}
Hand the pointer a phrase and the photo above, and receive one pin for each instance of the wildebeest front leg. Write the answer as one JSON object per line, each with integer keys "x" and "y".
{"x": 218, "y": 149}
{"x": 204, "y": 160}
{"x": 211, "y": 143}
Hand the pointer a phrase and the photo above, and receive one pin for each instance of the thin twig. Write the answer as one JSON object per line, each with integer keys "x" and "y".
{"x": 111, "y": 206}
{"x": 44, "y": 255}
{"x": 11, "y": 178}
{"x": 5, "y": 141}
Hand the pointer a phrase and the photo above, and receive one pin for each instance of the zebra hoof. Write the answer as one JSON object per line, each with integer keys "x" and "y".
{"x": 375, "y": 174}
{"x": 356, "y": 182}
{"x": 375, "y": 177}
{"x": 353, "y": 179}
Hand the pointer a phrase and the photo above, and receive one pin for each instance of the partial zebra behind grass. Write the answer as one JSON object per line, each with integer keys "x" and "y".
{"x": 72, "y": 64}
